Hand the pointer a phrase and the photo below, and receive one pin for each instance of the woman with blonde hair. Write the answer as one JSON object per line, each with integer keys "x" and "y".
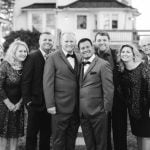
{"x": 11, "y": 108}
{"x": 135, "y": 85}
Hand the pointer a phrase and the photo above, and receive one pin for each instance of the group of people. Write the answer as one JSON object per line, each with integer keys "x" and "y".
{"x": 93, "y": 86}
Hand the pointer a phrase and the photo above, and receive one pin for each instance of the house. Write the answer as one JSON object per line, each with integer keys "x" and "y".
{"x": 83, "y": 17}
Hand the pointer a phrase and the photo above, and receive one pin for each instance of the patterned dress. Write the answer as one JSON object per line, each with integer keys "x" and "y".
{"x": 135, "y": 85}
{"x": 11, "y": 123}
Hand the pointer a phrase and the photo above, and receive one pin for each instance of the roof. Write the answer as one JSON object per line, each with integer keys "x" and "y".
{"x": 40, "y": 5}
{"x": 96, "y": 4}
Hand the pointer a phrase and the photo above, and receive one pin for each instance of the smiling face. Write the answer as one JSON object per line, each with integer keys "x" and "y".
{"x": 126, "y": 54}
{"x": 102, "y": 42}
{"x": 21, "y": 53}
{"x": 86, "y": 49}
{"x": 146, "y": 48}
{"x": 68, "y": 43}
{"x": 46, "y": 42}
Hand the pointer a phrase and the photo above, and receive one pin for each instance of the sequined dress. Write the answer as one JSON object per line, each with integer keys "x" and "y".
{"x": 11, "y": 123}
{"x": 135, "y": 88}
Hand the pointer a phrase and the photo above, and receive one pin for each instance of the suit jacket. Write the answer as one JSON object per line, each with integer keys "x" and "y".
{"x": 60, "y": 83}
{"x": 96, "y": 88}
{"x": 32, "y": 80}
{"x": 111, "y": 57}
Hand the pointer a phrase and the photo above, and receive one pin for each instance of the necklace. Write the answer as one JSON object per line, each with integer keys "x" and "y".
{"x": 19, "y": 72}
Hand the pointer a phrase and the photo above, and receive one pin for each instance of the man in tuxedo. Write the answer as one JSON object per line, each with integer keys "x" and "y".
{"x": 60, "y": 83}
{"x": 96, "y": 95}
{"x": 39, "y": 121}
{"x": 118, "y": 116}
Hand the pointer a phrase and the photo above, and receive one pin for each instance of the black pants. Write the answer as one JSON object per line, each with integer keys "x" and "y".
{"x": 95, "y": 131}
{"x": 119, "y": 126}
{"x": 109, "y": 143}
{"x": 64, "y": 131}
{"x": 38, "y": 122}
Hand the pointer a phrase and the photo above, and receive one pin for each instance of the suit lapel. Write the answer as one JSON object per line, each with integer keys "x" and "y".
{"x": 90, "y": 67}
{"x": 41, "y": 58}
{"x": 62, "y": 55}
{"x": 81, "y": 74}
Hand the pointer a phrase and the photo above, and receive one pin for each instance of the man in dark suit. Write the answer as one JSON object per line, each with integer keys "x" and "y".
{"x": 118, "y": 116}
{"x": 60, "y": 83}
{"x": 32, "y": 91}
{"x": 96, "y": 95}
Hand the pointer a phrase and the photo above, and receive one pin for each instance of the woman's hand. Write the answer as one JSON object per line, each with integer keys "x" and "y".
{"x": 9, "y": 104}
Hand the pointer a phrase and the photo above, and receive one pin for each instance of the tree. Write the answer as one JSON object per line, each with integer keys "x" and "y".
{"x": 6, "y": 12}
{"x": 6, "y": 9}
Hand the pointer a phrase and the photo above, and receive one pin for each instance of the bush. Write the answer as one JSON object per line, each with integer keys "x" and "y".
{"x": 31, "y": 38}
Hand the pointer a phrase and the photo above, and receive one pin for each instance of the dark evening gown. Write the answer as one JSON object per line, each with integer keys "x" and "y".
{"x": 136, "y": 88}
{"x": 11, "y": 123}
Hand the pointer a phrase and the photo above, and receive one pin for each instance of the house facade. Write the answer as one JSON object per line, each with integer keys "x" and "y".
{"x": 83, "y": 17}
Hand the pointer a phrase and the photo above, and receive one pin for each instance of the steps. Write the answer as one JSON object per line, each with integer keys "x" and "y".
{"x": 80, "y": 139}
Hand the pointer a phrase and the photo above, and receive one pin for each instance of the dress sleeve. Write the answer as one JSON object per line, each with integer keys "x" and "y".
{"x": 146, "y": 75}
{"x": 3, "y": 74}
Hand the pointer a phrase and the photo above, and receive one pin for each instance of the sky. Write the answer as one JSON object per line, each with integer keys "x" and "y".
{"x": 142, "y": 21}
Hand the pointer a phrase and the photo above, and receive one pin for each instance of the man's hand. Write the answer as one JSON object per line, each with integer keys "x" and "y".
{"x": 52, "y": 110}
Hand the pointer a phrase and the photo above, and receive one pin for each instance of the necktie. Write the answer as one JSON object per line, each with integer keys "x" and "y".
{"x": 86, "y": 62}
{"x": 70, "y": 55}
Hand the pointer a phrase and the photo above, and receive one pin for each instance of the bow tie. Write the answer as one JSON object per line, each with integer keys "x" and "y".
{"x": 86, "y": 62}
{"x": 70, "y": 55}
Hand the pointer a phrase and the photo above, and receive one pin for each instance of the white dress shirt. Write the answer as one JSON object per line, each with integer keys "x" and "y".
{"x": 70, "y": 59}
{"x": 44, "y": 54}
{"x": 87, "y": 65}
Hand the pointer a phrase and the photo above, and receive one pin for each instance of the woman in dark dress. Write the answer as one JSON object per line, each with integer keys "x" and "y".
{"x": 11, "y": 108}
{"x": 135, "y": 84}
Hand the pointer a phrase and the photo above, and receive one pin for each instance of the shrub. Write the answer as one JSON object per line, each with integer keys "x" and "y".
{"x": 31, "y": 38}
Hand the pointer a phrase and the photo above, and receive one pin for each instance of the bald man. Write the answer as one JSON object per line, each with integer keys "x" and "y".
{"x": 60, "y": 82}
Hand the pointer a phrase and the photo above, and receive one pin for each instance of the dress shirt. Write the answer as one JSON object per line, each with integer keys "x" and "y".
{"x": 87, "y": 65}
{"x": 44, "y": 54}
{"x": 70, "y": 59}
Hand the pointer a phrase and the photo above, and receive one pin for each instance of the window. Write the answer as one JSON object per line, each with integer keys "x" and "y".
{"x": 43, "y": 22}
{"x": 106, "y": 21}
{"x": 50, "y": 21}
{"x": 114, "y": 24}
{"x": 81, "y": 22}
{"x": 115, "y": 21}
{"x": 37, "y": 22}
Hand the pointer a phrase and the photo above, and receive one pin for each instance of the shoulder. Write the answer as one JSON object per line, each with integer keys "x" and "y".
{"x": 145, "y": 69}
{"x": 33, "y": 56}
{"x": 5, "y": 66}
{"x": 101, "y": 61}
{"x": 114, "y": 52}
{"x": 54, "y": 54}
{"x": 34, "y": 53}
